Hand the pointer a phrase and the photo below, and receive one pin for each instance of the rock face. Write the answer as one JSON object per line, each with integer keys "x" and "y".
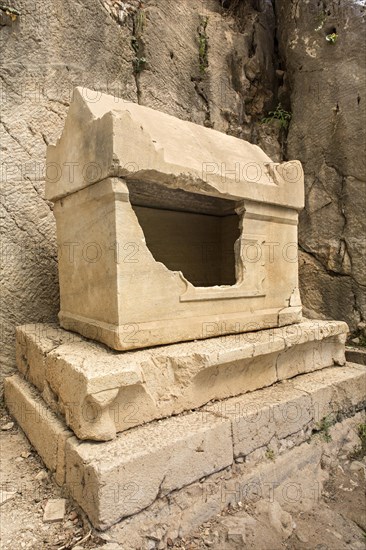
{"x": 199, "y": 62}
{"x": 327, "y": 133}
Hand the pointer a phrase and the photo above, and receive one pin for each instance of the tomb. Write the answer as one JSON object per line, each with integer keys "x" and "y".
{"x": 182, "y": 353}
{"x": 165, "y": 227}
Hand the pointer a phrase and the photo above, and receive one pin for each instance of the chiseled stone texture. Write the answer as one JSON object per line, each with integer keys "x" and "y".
{"x": 52, "y": 47}
{"x": 187, "y": 509}
{"x": 44, "y": 430}
{"x": 297, "y": 476}
{"x": 178, "y": 472}
{"x": 183, "y": 201}
{"x": 101, "y": 392}
{"x": 121, "y": 477}
{"x": 141, "y": 144}
{"x": 295, "y": 406}
{"x": 32, "y": 347}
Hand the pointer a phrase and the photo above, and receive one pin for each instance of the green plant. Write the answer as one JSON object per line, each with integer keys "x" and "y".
{"x": 278, "y": 114}
{"x": 203, "y": 44}
{"x": 11, "y": 12}
{"x": 332, "y": 37}
{"x": 323, "y": 427}
{"x": 139, "y": 64}
{"x": 270, "y": 454}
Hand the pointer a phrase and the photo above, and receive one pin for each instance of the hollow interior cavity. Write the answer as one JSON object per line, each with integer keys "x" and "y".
{"x": 187, "y": 232}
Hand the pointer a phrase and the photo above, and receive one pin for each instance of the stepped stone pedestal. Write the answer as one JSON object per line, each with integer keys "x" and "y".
{"x": 99, "y": 392}
{"x": 177, "y": 250}
{"x": 54, "y": 398}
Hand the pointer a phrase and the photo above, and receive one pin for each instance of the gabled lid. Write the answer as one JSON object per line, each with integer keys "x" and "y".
{"x": 105, "y": 136}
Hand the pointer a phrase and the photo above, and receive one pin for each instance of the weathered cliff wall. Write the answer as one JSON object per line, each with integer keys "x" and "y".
{"x": 328, "y": 135}
{"x": 222, "y": 64}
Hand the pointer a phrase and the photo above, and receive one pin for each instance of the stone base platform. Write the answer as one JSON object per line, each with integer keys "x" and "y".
{"x": 100, "y": 392}
{"x": 172, "y": 473}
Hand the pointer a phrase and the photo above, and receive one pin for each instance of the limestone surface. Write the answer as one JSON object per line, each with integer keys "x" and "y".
{"x": 143, "y": 145}
{"x": 187, "y": 460}
{"x": 165, "y": 226}
{"x": 143, "y": 464}
{"x": 55, "y": 510}
{"x": 44, "y": 430}
{"x": 100, "y": 392}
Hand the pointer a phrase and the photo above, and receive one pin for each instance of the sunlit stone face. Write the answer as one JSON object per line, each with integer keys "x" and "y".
{"x": 167, "y": 228}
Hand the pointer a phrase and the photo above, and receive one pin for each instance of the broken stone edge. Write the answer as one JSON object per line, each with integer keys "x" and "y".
{"x": 120, "y": 478}
{"x": 100, "y": 393}
{"x": 204, "y": 162}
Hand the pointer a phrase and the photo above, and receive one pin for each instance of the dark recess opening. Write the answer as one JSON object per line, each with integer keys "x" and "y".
{"x": 188, "y": 232}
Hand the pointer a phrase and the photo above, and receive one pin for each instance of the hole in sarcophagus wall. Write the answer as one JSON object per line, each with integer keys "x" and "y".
{"x": 188, "y": 232}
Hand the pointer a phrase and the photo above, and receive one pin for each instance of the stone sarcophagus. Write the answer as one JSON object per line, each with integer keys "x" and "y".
{"x": 169, "y": 231}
